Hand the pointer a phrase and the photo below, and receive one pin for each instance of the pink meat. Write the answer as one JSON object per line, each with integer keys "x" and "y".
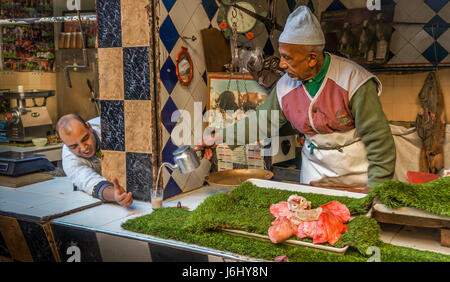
{"x": 281, "y": 229}
{"x": 281, "y": 259}
{"x": 339, "y": 210}
{"x": 328, "y": 227}
{"x": 280, "y": 209}
{"x": 306, "y": 229}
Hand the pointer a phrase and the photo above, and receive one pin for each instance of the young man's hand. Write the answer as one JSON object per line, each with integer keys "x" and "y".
{"x": 121, "y": 196}
{"x": 117, "y": 193}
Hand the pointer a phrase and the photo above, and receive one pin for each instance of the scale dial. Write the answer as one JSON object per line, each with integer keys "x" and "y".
{"x": 244, "y": 22}
{"x": 247, "y": 27}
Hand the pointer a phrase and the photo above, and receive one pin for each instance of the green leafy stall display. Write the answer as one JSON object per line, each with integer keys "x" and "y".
{"x": 246, "y": 208}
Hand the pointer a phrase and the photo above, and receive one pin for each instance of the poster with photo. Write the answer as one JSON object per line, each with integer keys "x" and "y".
{"x": 235, "y": 93}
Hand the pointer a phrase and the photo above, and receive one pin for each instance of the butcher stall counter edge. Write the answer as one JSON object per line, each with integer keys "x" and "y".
{"x": 98, "y": 230}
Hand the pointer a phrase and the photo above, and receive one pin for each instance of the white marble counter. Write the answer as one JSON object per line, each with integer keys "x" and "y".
{"x": 108, "y": 218}
{"x": 45, "y": 200}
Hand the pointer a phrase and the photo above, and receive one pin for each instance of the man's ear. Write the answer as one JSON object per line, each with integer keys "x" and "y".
{"x": 312, "y": 60}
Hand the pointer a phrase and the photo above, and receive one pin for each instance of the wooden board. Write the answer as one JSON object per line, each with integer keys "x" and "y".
{"x": 445, "y": 237}
{"x": 408, "y": 216}
{"x": 412, "y": 217}
{"x": 19, "y": 181}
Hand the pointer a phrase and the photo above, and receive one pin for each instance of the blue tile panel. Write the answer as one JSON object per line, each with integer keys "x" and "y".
{"x": 166, "y": 115}
{"x": 436, "y": 5}
{"x": 169, "y": 4}
{"x": 336, "y": 5}
{"x": 109, "y": 23}
{"x": 168, "y": 34}
{"x": 136, "y": 73}
{"x": 112, "y": 125}
{"x": 210, "y": 7}
{"x": 168, "y": 75}
{"x": 139, "y": 175}
{"x": 167, "y": 152}
{"x": 436, "y": 27}
{"x": 435, "y": 53}
{"x": 171, "y": 189}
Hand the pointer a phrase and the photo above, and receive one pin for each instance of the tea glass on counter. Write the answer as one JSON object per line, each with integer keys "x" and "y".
{"x": 157, "y": 197}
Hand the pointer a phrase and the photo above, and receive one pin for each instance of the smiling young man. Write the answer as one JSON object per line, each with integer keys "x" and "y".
{"x": 81, "y": 159}
{"x": 334, "y": 103}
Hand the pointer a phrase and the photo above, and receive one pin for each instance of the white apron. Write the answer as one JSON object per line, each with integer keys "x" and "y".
{"x": 332, "y": 167}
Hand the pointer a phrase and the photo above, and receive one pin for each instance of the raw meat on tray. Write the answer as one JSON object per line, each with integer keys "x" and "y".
{"x": 296, "y": 217}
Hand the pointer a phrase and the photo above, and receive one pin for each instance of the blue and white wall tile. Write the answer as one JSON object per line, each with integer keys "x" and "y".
{"x": 179, "y": 18}
{"x": 410, "y": 45}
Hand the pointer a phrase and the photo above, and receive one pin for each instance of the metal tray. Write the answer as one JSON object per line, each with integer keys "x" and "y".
{"x": 340, "y": 251}
{"x": 234, "y": 177}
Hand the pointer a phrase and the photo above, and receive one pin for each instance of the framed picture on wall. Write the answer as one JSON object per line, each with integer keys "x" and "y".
{"x": 230, "y": 96}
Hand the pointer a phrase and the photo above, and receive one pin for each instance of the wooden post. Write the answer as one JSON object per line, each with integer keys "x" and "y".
{"x": 445, "y": 237}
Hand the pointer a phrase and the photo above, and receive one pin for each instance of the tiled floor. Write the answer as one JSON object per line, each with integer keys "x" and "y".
{"x": 425, "y": 239}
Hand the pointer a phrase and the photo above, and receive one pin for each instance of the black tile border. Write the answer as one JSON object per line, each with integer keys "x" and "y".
{"x": 112, "y": 125}
{"x": 109, "y": 23}
{"x": 139, "y": 175}
{"x": 136, "y": 73}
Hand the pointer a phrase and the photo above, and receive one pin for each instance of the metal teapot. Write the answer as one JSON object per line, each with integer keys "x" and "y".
{"x": 186, "y": 160}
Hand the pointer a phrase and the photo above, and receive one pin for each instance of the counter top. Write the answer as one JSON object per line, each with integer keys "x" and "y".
{"x": 43, "y": 201}
{"x": 52, "y": 152}
{"x": 55, "y": 201}
{"x": 108, "y": 218}
{"x": 34, "y": 149}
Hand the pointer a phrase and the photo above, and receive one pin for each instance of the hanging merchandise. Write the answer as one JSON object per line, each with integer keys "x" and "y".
{"x": 430, "y": 124}
{"x": 359, "y": 34}
{"x": 266, "y": 71}
{"x": 27, "y": 47}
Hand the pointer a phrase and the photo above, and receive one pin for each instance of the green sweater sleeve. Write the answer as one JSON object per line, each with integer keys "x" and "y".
{"x": 269, "y": 104}
{"x": 373, "y": 128}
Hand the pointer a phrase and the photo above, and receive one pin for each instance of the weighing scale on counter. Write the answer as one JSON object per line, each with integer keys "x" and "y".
{"x": 16, "y": 163}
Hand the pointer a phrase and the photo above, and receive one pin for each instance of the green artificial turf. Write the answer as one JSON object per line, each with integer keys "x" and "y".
{"x": 246, "y": 208}
{"x": 433, "y": 196}
{"x": 167, "y": 223}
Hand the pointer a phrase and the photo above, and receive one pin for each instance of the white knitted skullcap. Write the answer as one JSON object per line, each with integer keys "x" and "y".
{"x": 303, "y": 28}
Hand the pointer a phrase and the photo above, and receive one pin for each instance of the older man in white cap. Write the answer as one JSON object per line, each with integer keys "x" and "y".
{"x": 334, "y": 103}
